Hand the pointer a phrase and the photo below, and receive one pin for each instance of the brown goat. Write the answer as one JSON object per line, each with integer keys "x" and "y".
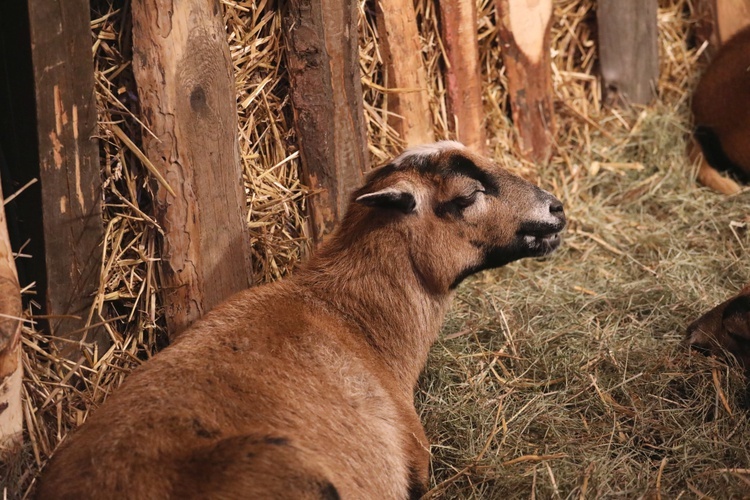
{"x": 721, "y": 111}
{"x": 304, "y": 388}
{"x": 725, "y": 329}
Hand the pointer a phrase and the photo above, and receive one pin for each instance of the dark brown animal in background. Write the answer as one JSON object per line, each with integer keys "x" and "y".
{"x": 725, "y": 329}
{"x": 721, "y": 116}
{"x": 304, "y": 388}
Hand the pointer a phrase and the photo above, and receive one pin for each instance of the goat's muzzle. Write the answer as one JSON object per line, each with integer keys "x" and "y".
{"x": 542, "y": 237}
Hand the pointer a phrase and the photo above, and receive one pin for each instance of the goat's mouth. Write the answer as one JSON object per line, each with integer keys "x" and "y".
{"x": 541, "y": 238}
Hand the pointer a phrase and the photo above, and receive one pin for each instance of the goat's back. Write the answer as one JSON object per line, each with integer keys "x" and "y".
{"x": 267, "y": 393}
{"x": 721, "y": 108}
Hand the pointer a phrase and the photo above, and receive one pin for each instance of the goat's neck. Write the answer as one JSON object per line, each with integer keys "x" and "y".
{"x": 385, "y": 299}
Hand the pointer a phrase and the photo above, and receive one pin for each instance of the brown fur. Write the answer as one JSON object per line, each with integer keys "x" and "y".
{"x": 725, "y": 329}
{"x": 721, "y": 111}
{"x": 304, "y": 388}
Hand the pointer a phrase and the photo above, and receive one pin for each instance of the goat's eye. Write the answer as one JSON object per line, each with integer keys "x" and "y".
{"x": 468, "y": 200}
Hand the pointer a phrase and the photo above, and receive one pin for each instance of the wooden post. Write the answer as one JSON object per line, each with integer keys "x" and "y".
{"x": 628, "y": 50}
{"x": 525, "y": 35}
{"x": 186, "y": 88}
{"x": 719, "y": 20}
{"x": 323, "y": 64}
{"x": 406, "y": 76}
{"x": 11, "y": 369}
{"x": 731, "y": 17}
{"x": 463, "y": 76}
{"x": 69, "y": 162}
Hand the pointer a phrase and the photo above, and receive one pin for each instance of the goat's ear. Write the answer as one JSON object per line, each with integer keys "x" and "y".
{"x": 736, "y": 317}
{"x": 397, "y": 197}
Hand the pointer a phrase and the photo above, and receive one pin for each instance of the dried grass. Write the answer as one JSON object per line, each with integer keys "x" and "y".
{"x": 556, "y": 378}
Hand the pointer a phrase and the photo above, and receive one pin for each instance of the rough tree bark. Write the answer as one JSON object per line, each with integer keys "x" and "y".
{"x": 186, "y": 88}
{"x": 463, "y": 76}
{"x": 525, "y": 35}
{"x": 68, "y": 162}
{"x": 11, "y": 369}
{"x": 405, "y": 72}
{"x": 628, "y": 50}
{"x": 326, "y": 91}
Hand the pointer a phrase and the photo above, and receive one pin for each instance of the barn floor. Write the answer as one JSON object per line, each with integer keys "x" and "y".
{"x": 565, "y": 377}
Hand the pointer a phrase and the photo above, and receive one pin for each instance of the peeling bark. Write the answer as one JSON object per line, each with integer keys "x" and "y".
{"x": 525, "y": 35}
{"x": 186, "y": 88}
{"x": 326, "y": 91}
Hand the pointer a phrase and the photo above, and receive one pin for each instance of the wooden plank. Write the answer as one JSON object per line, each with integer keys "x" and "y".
{"x": 68, "y": 161}
{"x": 186, "y": 88}
{"x": 628, "y": 50}
{"x": 11, "y": 369}
{"x": 463, "y": 76}
{"x": 326, "y": 91}
{"x": 406, "y": 76}
{"x": 524, "y": 31}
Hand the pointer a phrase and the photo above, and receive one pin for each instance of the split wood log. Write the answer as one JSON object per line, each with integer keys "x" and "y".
{"x": 406, "y": 76}
{"x": 11, "y": 369}
{"x": 69, "y": 174}
{"x": 718, "y": 21}
{"x": 731, "y": 17}
{"x": 628, "y": 50}
{"x": 463, "y": 76}
{"x": 524, "y": 30}
{"x": 187, "y": 94}
{"x": 326, "y": 91}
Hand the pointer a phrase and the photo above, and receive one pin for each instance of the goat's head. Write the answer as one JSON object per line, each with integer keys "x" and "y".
{"x": 459, "y": 213}
{"x": 724, "y": 329}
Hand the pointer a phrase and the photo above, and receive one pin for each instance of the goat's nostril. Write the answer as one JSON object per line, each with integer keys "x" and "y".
{"x": 555, "y": 207}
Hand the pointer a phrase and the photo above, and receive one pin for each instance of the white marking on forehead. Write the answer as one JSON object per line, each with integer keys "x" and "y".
{"x": 427, "y": 150}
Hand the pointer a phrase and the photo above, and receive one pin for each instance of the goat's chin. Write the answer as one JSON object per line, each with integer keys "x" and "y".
{"x": 539, "y": 246}
{"x": 523, "y": 247}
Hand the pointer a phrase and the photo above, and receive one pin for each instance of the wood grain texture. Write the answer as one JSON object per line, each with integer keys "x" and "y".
{"x": 69, "y": 162}
{"x": 186, "y": 88}
{"x": 628, "y": 50}
{"x": 524, "y": 31}
{"x": 326, "y": 91}
{"x": 406, "y": 76}
{"x": 463, "y": 77}
{"x": 11, "y": 369}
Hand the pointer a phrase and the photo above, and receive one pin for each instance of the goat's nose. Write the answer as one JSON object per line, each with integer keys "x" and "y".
{"x": 556, "y": 207}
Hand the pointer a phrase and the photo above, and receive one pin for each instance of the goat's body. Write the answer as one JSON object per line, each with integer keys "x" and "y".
{"x": 304, "y": 388}
{"x": 721, "y": 111}
{"x": 308, "y": 394}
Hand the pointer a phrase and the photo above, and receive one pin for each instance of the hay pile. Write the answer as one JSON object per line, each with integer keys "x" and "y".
{"x": 555, "y": 378}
